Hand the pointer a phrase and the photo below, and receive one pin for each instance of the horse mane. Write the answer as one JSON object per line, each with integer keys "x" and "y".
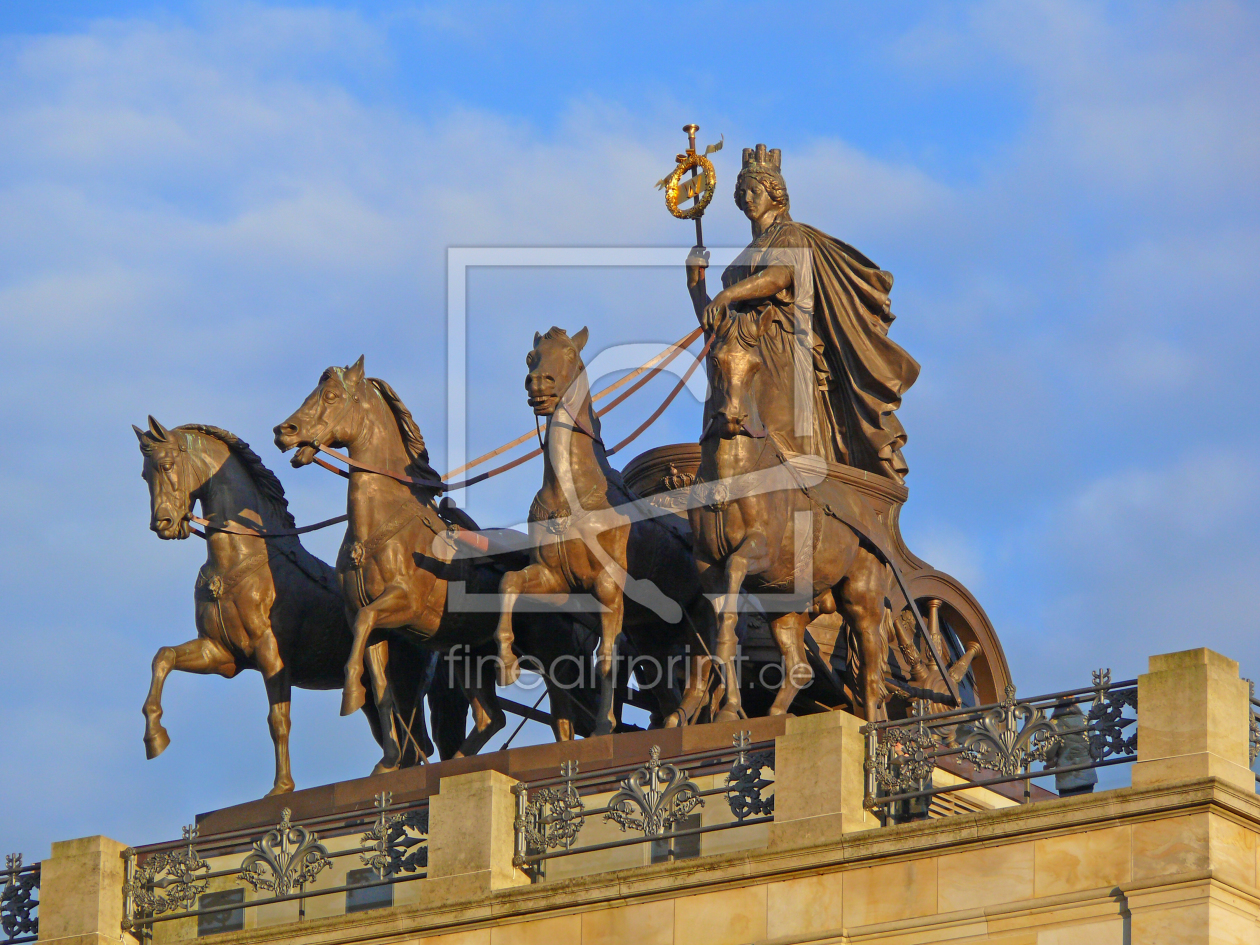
{"x": 408, "y": 429}
{"x": 269, "y": 487}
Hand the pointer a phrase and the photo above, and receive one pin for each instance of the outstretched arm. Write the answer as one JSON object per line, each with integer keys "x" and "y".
{"x": 768, "y": 282}
{"x": 697, "y": 262}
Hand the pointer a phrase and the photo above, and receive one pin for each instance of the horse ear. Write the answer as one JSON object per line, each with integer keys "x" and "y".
{"x": 579, "y": 340}
{"x": 139, "y": 434}
{"x": 159, "y": 432}
{"x": 354, "y": 374}
{"x": 537, "y": 338}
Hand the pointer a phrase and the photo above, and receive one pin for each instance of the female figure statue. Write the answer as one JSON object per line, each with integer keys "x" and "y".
{"x": 825, "y": 311}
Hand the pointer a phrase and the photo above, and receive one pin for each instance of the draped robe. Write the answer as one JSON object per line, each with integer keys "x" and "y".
{"x": 826, "y": 345}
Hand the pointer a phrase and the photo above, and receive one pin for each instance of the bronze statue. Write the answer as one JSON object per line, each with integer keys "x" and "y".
{"x": 583, "y": 540}
{"x": 770, "y": 526}
{"x": 826, "y": 334}
{"x": 916, "y": 661}
{"x": 264, "y": 604}
{"x": 397, "y": 561}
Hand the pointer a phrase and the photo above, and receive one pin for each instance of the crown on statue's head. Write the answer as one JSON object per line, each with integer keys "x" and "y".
{"x": 759, "y": 159}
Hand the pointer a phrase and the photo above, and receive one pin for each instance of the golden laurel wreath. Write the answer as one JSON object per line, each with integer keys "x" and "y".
{"x": 685, "y": 163}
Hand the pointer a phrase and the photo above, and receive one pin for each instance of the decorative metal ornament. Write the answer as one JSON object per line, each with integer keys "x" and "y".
{"x": 17, "y": 902}
{"x": 1106, "y": 723}
{"x": 391, "y": 845}
{"x": 554, "y": 816}
{"x": 904, "y": 759}
{"x": 653, "y": 799}
{"x": 744, "y": 783}
{"x": 168, "y": 882}
{"x": 1008, "y": 738}
{"x": 286, "y": 859}
{"x": 1253, "y": 725}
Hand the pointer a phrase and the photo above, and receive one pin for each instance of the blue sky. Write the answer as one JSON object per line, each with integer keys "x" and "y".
{"x": 207, "y": 204}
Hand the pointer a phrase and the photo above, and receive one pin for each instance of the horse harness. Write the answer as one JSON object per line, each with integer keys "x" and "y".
{"x": 215, "y": 587}
{"x": 353, "y": 556}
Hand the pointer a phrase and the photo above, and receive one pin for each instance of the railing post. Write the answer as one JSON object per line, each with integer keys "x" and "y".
{"x": 819, "y": 780}
{"x": 1193, "y": 720}
{"x": 472, "y": 838}
{"x": 81, "y": 893}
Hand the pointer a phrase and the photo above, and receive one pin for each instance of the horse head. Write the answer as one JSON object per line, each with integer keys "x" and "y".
{"x": 171, "y": 477}
{"x": 734, "y": 361}
{"x": 555, "y": 362}
{"x": 331, "y": 415}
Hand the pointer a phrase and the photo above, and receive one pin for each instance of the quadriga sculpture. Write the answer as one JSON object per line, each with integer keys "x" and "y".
{"x": 582, "y": 540}
{"x": 264, "y": 604}
{"x": 766, "y": 518}
{"x": 396, "y": 561}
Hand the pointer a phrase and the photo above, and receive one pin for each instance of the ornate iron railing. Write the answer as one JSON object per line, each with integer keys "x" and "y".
{"x": 652, "y": 801}
{"x": 1253, "y": 728}
{"x": 166, "y": 881}
{"x": 1003, "y": 742}
{"x": 18, "y": 921}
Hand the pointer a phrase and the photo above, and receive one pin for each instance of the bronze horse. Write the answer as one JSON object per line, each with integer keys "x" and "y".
{"x": 397, "y": 561}
{"x": 265, "y": 604}
{"x": 766, "y": 518}
{"x": 583, "y": 540}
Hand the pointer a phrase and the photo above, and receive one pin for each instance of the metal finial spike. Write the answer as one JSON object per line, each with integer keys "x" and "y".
{"x": 384, "y": 799}
{"x": 190, "y": 832}
{"x": 568, "y": 770}
{"x": 13, "y": 861}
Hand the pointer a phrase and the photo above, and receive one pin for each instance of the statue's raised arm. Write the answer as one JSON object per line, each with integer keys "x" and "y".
{"x": 825, "y": 313}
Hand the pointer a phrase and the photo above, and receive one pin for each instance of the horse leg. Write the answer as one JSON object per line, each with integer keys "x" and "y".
{"x": 533, "y": 579}
{"x": 699, "y": 666}
{"x": 394, "y": 600}
{"x": 750, "y": 555}
{"x": 863, "y": 600}
{"x": 488, "y": 718}
{"x": 608, "y": 592}
{"x": 789, "y": 633}
{"x": 196, "y": 656}
{"x": 377, "y": 660}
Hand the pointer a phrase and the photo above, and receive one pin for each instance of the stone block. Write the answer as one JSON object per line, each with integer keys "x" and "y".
{"x": 729, "y": 917}
{"x": 984, "y": 877}
{"x": 1170, "y": 846}
{"x": 819, "y": 780}
{"x": 1092, "y": 859}
{"x": 471, "y": 830}
{"x": 890, "y": 893}
{"x": 649, "y": 923}
{"x": 80, "y": 895}
{"x": 1193, "y": 714}
{"x": 560, "y": 930}
{"x": 799, "y": 907}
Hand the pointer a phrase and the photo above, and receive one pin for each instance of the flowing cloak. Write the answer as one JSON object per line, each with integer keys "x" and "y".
{"x": 832, "y": 323}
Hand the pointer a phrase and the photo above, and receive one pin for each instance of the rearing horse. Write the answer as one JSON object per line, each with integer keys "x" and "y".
{"x": 265, "y": 604}
{"x": 582, "y": 540}
{"x": 767, "y": 527}
{"x": 396, "y": 561}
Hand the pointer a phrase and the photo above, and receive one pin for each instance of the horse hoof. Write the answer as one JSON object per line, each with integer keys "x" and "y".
{"x": 676, "y": 719}
{"x": 509, "y": 672}
{"x": 352, "y": 700}
{"x": 727, "y": 714}
{"x": 382, "y": 768}
{"x": 156, "y": 743}
{"x": 285, "y": 788}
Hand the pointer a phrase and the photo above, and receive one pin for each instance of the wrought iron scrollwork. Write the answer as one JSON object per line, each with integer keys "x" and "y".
{"x": 168, "y": 882}
{"x": 397, "y": 843}
{"x": 1008, "y": 738}
{"x": 904, "y": 759}
{"x": 744, "y": 783}
{"x": 554, "y": 816}
{"x": 1253, "y": 724}
{"x": 17, "y": 900}
{"x": 285, "y": 860}
{"x": 654, "y": 798}
{"x": 1107, "y": 721}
